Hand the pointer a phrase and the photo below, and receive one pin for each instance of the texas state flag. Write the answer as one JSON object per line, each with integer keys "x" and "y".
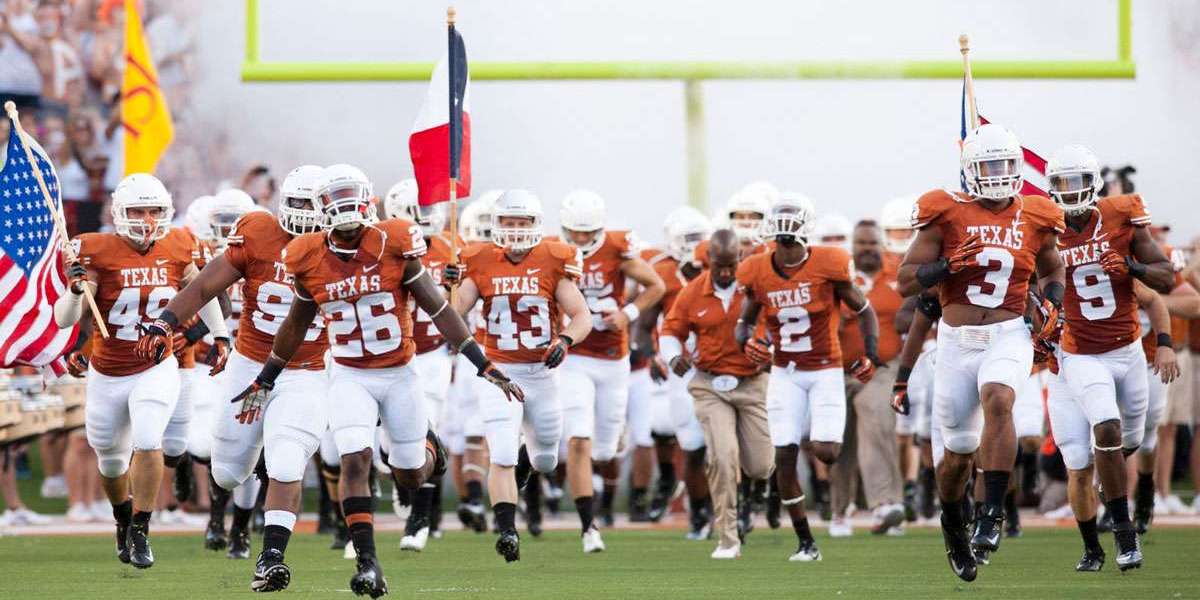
{"x": 440, "y": 144}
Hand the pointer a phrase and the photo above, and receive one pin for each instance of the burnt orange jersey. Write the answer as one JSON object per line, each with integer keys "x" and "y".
{"x": 801, "y": 309}
{"x": 265, "y": 293}
{"x": 520, "y": 310}
{"x": 133, "y": 289}
{"x": 880, "y": 291}
{"x": 425, "y": 333}
{"x": 1179, "y": 326}
{"x": 603, "y": 286}
{"x": 363, "y": 297}
{"x": 1100, "y": 309}
{"x": 1012, "y": 237}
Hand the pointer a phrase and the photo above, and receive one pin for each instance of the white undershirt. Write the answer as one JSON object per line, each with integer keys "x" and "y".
{"x": 725, "y": 294}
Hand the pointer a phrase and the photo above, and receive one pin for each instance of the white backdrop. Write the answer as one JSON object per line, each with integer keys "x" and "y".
{"x": 850, "y": 145}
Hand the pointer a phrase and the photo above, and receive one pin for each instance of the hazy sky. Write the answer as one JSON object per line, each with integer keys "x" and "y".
{"x": 850, "y": 145}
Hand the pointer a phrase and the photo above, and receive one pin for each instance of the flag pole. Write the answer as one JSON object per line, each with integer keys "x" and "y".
{"x": 451, "y": 17}
{"x": 59, "y": 224}
{"x": 965, "y": 47}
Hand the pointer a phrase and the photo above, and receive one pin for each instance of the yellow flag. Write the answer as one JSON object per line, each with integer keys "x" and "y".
{"x": 144, "y": 114}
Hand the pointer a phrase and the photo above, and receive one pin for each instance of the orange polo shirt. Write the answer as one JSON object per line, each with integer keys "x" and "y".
{"x": 699, "y": 310}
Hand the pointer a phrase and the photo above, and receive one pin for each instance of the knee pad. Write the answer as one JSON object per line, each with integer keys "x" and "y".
{"x": 544, "y": 462}
{"x": 171, "y": 460}
{"x": 286, "y": 459}
{"x": 961, "y": 442}
{"x": 407, "y": 455}
{"x": 114, "y": 462}
{"x": 1149, "y": 441}
{"x": 228, "y": 476}
{"x": 202, "y": 460}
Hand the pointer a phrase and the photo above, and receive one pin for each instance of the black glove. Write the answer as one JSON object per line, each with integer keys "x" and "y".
{"x": 557, "y": 351}
{"x": 452, "y": 273}
{"x": 76, "y": 277}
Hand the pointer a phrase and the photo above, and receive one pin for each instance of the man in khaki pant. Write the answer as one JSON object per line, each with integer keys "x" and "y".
{"x": 869, "y": 444}
{"x": 728, "y": 389}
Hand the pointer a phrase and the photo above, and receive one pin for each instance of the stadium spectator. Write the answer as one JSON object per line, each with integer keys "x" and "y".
{"x": 15, "y": 512}
{"x": 56, "y": 59}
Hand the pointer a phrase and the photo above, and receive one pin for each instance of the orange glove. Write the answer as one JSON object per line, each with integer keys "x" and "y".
{"x": 557, "y": 351}
{"x": 155, "y": 343}
{"x": 77, "y": 364}
{"x": 863, "y": 369}
{"x": 217, "y": 356}
{"x": 1051, "y": 326}
{"x": 965, "y": 254}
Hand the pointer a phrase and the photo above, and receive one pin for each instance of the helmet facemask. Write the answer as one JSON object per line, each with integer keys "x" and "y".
{"x": 298, "y": 216}
{"x": 594, "y": 241}
{"x": 221, "y": 222}
{"x": 994, "y": 178}
{"x": 1074, "y": 190}
{"x": 516, "y": 237}
{"x": 747, "y": 226}
{"x": 345, "y": 206}
{"x": 150, "y": 224}
{"x": 788, "y": 225}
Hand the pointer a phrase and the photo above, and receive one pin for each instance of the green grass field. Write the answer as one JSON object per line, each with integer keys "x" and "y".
{"x": 639, "y": 564}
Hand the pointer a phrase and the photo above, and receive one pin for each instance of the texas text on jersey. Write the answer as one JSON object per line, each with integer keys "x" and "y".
{"x": 370, "y": 325}
{"x": 519, "y": 306}
{"x": 133, "y": 289}
{"x": 1101, "y": 309}
{"x": 801, "y": 308}
{"x": 255, "y": 248}
{"x": 999, "y": 276}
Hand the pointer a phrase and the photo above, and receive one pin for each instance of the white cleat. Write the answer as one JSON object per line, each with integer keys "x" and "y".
{"x": 349, "y": 553}
{"x": 807, "y": 552}
{"x": 402, "y": 510}
{"x": 840, "y": 527}
{"x": 730, "y": 553}
{"x": 415, "y": 542}
{"x": 592, "y": 541}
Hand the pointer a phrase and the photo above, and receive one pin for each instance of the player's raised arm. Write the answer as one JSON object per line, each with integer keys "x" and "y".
{"x": 1148, "y": 263}
{"x": 68, "y": 309}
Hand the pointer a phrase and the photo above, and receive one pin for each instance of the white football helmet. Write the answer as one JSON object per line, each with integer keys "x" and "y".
{"x": 475, "y": 222}
{"x": 791, "y": 215}
{"x": 747, "y": 209}
{"x": 991, "y": 162}
{"x": 685, "y": 228}
{"x": 583, "y": 211}
{"x": 831, "y": 230}
{"x": 343, "y": 196}
{"x": 522, "y": 204}
{"x": 1074, "y": 177}
{"x": 195, "y": 219}
{"x": 142, "y": 191}
{"x": 225, "y": 209}
{"x": 401, "y": 201}
{"x": 298, "y": 213}
{"x": 896, "y": 221}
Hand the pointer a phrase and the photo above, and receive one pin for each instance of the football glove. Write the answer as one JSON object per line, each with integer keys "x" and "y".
{"x": 77, "y": 364}
{"x": 965, "y": 254}
{"x": 658, "y": 370}
{"x": 496, "y": 377}
{"x": 557, "y": 351}
{"x": 76, "y": 277}
{"x": 1043, "y": 354}
{"x": 452, "y": 274}
{"x": 758, "y": 350}
{"x": 218, "y": 355}
{"x": 900, "y": 397}
{"x": 930, "y": 306}
{"x": 1114, "y": 264}
{"x": 1051, "y": 324}
{"x": 253, "y": 400}
{"x": 155, "y": 343}
{"x": 863, "y": 369}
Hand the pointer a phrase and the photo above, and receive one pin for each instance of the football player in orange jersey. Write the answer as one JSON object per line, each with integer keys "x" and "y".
{"x": 295, "y": 418}
{"x": 983, "y": 247}
{"x": 595, "y": 375}
{"x": 432, "y": 361}
{"x": 1101, "y": 392}
{"x": 360, "y": 275}
{"x": 799, "y": 287}
{"x": 133, "y": 273}
{"x": 527, "y": 286}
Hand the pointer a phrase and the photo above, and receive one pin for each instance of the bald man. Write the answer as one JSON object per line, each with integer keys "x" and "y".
{"x": 729, "y": 390}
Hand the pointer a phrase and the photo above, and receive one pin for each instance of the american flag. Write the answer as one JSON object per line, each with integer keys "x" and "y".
{"x": 1034, "y": 182}
{"x": 31, "y": 271}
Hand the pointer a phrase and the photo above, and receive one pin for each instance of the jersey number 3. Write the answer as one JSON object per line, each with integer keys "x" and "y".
{"x": 999, "y": 263}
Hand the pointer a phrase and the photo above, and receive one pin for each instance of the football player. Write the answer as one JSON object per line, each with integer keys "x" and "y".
{"x": 595, "y": 375}
{"x": 831, "y": 230}
{"x": 527, "y": 286}
{"x": 133, "y": 273}
{"x": 295, "y": 417}
{"x": 432, "y": 361}
{"x": 983, "y": 247}
{"x": 1102, "y": 392}
{"x": 800, "y": 286}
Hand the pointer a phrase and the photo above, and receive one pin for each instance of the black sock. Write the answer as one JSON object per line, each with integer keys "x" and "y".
{"x": 1144, "y": 491}
{"x": 360, "y": 517}
{"x": 405, "y": 495}
{"x": 474, "y": 491}
{"x": 928, "y": 478}
{"x": 141, "y": 518}
{"x": 1010, "y": 508}
{"x": 583, "y": 505}
{"x": 637, "y": 496}
{"x": 995, "y": 486}
{"x": 1119, "y": 509}
{"x": 275, "y": 537}
{"x": 954, "y": 512}
{"x": 666, "y": 471}
{"x": 1028, "y": 462}
{"x": 218, "y": 498}
{"x": 422, "y": 501}
{"x": 533, "y": 495}
{"x": 123, "y": 512}
{"x": 241, "y": 518}
{"x": 1091, "y": 538}
{"x": 506, "y": 516}
{"x": 435, "y": 507}
{"x": 802, "y": 531}
{"x": 822, "y": 489}
{"x": 172, "y": 461}
{"x": 608, "y": 495}
{"x": 698, "y": 504}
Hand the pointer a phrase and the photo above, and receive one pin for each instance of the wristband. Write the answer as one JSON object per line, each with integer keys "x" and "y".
{"x": 930, "y": 274}
{"x": 871, "y": 347}
{"x": 473, "y": 353}
{"x": 902, "y": 374}
{"x": 1164, "y": 339}
{"x": 169, "y": 318}
{"x": 632, "y": 311}
{"x": 1136, "y": 268}
{"x": 196, "y": 332}
{"x": 270, "y": 371}
{"x": 1054, "y": 293}
{"x": 567, "y": 338}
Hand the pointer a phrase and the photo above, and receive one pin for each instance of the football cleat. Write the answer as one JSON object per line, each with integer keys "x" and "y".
{"x": 270, "y": 574}
{"x": 592, "y": 541}
{"x": 639, "y": 512}
{"x": 402, "y": 506}
{"x": 958, "y": 551}
{"x": 886, "y": 517}
{"x": 533, "y": 519}
{"x": 368, "y": 580}
{"x": 1105, "y": 523}
{"x": 214, "y": 536}
{"x": 138, "y": 542}
{"x": 806, "y": 552}
{"x": 416, "y": 535}
{"x": 665, "y": 493}
{"x": 910, "y": 501}
{"x": 700, "y": 525}
{"x": 988, "y": 526}
{"x": 473, "y": 516}
{"x": 605, "y": 516}
{"x": 123, "y": 543}
{"x": 774, "y": 509}
{"x": 1129, "y": 548}
{"x": 239, "y": 544}
{"x": 1091, "y": 562}
{"x": 508, "y": 545}
{"x": 982, "y": 557}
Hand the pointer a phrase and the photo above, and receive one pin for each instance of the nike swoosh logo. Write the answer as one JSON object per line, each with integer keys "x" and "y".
{"x": 161, "y": 261}
{"x": 532, "y": 271}
{"x": 701, "y": 313}
{"x": 370, "y": 268}
{"x": 435, "y": 263}
{"x": 593, "y": 266}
